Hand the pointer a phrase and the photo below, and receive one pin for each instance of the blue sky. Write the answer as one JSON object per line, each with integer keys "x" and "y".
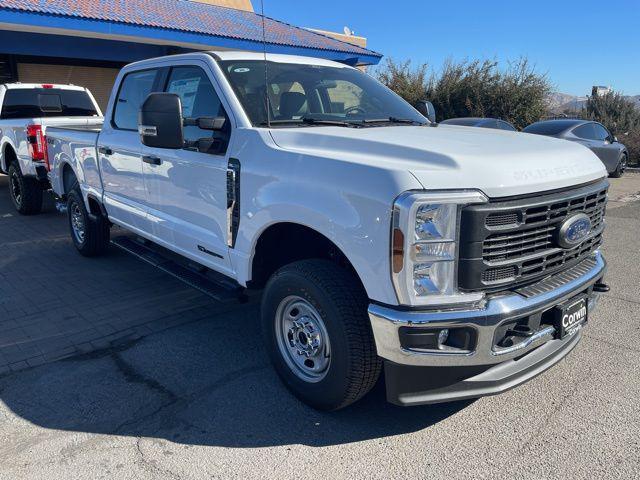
{"x": 577, "y": 43}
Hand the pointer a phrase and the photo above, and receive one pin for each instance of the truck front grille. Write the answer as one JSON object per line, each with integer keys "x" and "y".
{"x": 513, "y": 242}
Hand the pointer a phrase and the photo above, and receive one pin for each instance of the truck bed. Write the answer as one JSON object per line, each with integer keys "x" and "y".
{"x": 74, "y": 145}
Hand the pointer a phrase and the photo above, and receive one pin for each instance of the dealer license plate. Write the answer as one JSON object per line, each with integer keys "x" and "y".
{"x": 571, "y": 316}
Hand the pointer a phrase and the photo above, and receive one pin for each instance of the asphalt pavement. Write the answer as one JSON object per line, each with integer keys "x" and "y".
{"x": 200, "y": 400}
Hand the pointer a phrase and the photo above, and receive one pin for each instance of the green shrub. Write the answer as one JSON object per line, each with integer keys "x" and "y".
{"x": 614, "y": 111}
{"x": 476, "y": 88}
{"x": 632, "y": 142}
{"x": 620, "y": 116}
{"x": 408, "y": 82}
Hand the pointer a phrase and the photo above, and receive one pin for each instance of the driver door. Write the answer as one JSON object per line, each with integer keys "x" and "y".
{"x": 187, "y": 188}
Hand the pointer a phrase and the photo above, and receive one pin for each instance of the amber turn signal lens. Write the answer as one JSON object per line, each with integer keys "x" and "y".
{"x": 397, "y": 250}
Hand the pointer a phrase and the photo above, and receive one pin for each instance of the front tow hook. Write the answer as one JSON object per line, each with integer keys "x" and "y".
{"x": 601, "y": 287}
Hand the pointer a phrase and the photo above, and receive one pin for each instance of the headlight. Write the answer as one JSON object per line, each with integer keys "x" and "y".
{"x": 424, "y": 247}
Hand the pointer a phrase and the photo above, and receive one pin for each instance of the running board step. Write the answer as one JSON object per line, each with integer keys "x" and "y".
{"x": 210, "y": 283}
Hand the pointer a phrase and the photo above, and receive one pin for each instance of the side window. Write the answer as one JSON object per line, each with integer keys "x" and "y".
{"x": 505, "y": 126}
{"x": 585, "y": 131}
{"x": 601, "y": 133}
{"x": 134, "y": 90}
{"x": 199, "y": 99}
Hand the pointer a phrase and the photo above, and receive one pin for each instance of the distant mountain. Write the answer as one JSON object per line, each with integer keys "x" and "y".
{"x": 561, "y": 102}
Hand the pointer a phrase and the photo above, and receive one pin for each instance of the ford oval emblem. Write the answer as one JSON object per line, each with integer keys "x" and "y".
{"x": 574, "y": 230}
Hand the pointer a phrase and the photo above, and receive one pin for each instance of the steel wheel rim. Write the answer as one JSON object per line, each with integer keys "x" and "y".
{"x": 16, "y": 192}
{"x": 623, "y": 164}
{"x": 302, "y": 339}
{"x": 77, "y": 222}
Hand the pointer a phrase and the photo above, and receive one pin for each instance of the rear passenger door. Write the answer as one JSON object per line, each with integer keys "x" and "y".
{"x": 120, "y": 153}
{"x": 187, "y": 188}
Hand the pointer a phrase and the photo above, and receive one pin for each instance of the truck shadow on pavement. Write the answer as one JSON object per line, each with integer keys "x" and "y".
{"x": 203, "y": 377}
{"x": 203, "y": 383}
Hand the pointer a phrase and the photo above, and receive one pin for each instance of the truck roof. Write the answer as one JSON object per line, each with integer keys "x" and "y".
{"x": 274, "y": 57}
{"x": 27, "y": 86}
{"x": 231, "y": 55}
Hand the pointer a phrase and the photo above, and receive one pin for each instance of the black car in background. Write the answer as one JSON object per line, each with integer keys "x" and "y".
{"x": 591, "y": 134}
{"x": 481, "y": 123}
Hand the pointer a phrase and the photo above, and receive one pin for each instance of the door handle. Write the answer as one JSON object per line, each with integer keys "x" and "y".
{"x": 151, "y": 160}
{"x": 105, "y": 151}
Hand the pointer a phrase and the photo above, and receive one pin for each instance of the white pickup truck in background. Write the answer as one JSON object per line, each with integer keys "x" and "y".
{"x": 26, "y": 110}
{"x": 465, "y": 261}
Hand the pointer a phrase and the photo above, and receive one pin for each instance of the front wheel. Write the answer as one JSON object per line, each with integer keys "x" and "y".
{"x": 90, "y": 236}
{"x": 622, "y": 166}
{"x": 318, "y": 334}
{"x": 26, "y": 192}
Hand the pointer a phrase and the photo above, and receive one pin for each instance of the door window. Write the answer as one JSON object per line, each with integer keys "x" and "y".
{"x": 199, "y": 99}
{"x": 601, "y": 133}
{"x": 585, "y": 131}
{"x": 134, "y": 90}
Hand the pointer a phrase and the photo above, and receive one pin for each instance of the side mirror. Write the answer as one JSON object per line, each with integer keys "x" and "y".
{"x": 206, "y": 123}
{"x": 160, "y": 121}
{"x": 615, "y": 139}
{"x": 426, "y": 108}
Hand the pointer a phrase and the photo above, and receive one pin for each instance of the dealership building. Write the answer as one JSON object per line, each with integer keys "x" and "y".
{"x": 86, "y": 42}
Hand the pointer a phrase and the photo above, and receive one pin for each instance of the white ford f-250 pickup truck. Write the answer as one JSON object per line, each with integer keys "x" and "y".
{"x": 26, "y": 110}
{"x": 462, "y": 261}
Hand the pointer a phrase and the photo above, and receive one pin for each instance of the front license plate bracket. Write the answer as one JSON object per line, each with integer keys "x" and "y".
{"x": 570, "y": 316}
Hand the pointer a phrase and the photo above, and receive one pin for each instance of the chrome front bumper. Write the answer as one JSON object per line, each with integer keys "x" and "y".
{"x": 485, "y": 319}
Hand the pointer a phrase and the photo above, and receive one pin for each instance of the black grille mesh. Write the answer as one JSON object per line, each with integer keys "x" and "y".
{"x": 499, "y": 274}
{"x": 514, "y": 242}
{"x": 502, "y": 219}
{"x": 543, "y": 220}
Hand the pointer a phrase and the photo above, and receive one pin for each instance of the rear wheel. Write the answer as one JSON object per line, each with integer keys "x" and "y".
{"x": 622, "y": 166}
{"x": 90, "y": 235}
{"x": 318, "y": 334}
{"x": 26, "y": 192}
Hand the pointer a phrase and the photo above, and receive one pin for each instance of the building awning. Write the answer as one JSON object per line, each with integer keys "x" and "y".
{"x": 181, "y": 23}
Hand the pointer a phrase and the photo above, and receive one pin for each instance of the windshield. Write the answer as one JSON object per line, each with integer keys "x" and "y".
{"x": 314, "y": 95}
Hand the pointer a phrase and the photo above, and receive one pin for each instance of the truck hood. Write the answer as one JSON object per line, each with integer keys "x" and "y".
{"x": 499, "y": 163}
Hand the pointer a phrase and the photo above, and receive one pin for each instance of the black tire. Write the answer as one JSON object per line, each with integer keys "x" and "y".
{"x": 622, "y": 165}
{"x": 94, "y": 239}
{"x": 339, "y": 299}
{"x": 25, "y": 192}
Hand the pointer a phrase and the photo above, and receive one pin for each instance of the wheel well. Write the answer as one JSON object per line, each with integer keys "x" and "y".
{"x": 285, "y": 243}
{"x": 95, "y": 208}
{"x": 68, "y": 178}
{"x": 9, "y": 156}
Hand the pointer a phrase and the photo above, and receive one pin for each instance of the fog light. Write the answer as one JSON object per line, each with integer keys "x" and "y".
{"x": 443, "y": 336}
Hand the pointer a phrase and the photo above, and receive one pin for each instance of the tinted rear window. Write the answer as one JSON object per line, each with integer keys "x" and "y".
{"x": 46, "y": 102}
{"x": 549, "y": 128}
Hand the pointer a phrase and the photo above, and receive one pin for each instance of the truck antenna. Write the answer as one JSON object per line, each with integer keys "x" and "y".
{"x": 266, "y": 77}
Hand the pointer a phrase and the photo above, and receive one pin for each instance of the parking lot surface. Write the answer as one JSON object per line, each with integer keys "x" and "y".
{"x": 179, "y": 387}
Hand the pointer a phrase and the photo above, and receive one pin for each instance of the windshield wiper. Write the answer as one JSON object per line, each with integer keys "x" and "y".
{"x": 404, "y": 121}
{"x": 304, "y": 121}
{"x": 336, "y": 123}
